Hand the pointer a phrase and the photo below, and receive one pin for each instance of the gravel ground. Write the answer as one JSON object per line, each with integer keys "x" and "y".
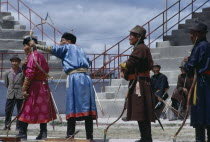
{"x": 119, "y": 132}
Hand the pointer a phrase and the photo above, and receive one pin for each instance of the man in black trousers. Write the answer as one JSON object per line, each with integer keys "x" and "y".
{"x": 14, "y": 81}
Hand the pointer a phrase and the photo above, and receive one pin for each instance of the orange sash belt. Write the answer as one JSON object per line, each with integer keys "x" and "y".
{"x": 207, "y": 72}
{"x": 140, "y": 74}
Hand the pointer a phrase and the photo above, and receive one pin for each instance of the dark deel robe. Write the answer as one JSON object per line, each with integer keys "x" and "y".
{"x": 140, "y": 108}
{"x": 200, "y": 60}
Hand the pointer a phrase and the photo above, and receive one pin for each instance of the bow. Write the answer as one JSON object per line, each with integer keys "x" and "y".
{"x": 102, "y": 111}
{"x": 124, "y": 108}
{"x": 188, "y": 105}
{"x": 38, "y": 65}
{"x": 31, "y": 33}
{"x": 169, "y": 106}
{"x": 188, "y": 100}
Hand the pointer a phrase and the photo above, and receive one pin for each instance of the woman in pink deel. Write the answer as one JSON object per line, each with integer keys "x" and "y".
{"x": 38, "y": 107}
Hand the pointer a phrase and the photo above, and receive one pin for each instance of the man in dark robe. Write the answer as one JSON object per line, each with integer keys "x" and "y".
{"x": 199, "y": 62}
{"x": 180, "y": 93}
{"x": 159, "y": 87}
{"x": 136, "y": 69}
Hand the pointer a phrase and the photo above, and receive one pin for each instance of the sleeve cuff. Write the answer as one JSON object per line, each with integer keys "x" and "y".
{"x": 26, "y": 84}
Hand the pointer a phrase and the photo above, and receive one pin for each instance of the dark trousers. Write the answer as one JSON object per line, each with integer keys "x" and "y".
{"x": 24, "y": 127}
{"x": 10, "y": 105}
{"x": 71, "y": 124}
{"x": 200, "y": 134}
{"x": 145, "y": 130}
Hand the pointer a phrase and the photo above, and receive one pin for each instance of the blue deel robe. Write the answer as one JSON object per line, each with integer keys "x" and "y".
{"x": 200, "y": 60}
{"x": 80, "y": 95}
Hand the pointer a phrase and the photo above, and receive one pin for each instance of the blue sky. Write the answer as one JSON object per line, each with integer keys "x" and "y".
{"x": 99, "y": 22}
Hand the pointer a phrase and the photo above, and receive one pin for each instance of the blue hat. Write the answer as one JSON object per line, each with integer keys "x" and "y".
{"x": 199, "y": 27}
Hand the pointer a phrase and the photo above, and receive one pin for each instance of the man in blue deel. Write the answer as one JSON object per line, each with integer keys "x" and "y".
{"x": 199, "y": 61}
{"x": 80, "y": 95}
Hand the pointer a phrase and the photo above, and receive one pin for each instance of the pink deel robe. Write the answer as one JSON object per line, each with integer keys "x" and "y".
{"x": 38, "y": 108}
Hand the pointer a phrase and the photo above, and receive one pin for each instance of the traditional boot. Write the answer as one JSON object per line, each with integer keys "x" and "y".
{"x": 145, "y": 130}
{"x": 71, "y": 123}
{"x": 43, "y": 132}
{"x": 23, "y": 130}
{"x": 89, "y": 128}
{"x": 200, "y": 134}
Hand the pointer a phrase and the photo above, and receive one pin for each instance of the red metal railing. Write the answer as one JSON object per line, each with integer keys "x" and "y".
{"x": 5, "y": 63}
{"x": 32, "y": 17}
{"x": 152, "y": 35}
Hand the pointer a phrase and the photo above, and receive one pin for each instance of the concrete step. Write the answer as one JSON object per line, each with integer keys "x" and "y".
{"x": 155, "y": 55}
{"x": 117, "y": 94}
{"x": 179, "y": 31}
{"x": 154, "y": 50}
{"x": 172, "y": 76}
{"x": 207, "y": 9}
{"x": 20, "y": 27}
{"x": 117, "y": 82}
{"x": 182, "y": 26}
{"x": 196, "y": 14}
{"x": 175, "y": 51}
{"x": 13, "y": 34}
{"x": 165, "y": 44}
{"x": 169, "y": 64}
{"x": 2, "y": 14}
{"x": 111, "y": 107}
{"x": 168, "y": 37}
{"x": 190, "y": 21}
{"x": 182, "y": 39}
{"x": 9, "y": 18}
{"x": 7, "y": 24}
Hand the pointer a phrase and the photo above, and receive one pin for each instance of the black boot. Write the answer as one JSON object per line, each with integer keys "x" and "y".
{"x": 208, "y": 133}
{"x": 89, "y": 127}
{"x": 43, "y": 132}
{"x": 71, "y": 123}
{"x": 200, "y": 134}
{"x": 23, "y": 130}
{"x": 145, "y": 130}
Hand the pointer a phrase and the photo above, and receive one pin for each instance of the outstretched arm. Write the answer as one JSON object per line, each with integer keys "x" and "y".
{"x": 58, "y": 51}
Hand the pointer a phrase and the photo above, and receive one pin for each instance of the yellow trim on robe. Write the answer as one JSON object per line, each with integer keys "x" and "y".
{"x": 195, "y": 95}
{"x": 123, "y": 66}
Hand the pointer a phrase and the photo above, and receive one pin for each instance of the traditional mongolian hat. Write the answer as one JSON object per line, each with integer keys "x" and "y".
{"x": 26, "y": 40}
{"x": 15, "y": 57}
{"x": 199, "y": 27}
{"x": 156, "y": 65}
{"x": 139, "y": 30}
{"x": 69, "y": 36}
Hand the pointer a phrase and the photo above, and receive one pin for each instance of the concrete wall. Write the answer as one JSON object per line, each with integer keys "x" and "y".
{"x": 59, "y": 94}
